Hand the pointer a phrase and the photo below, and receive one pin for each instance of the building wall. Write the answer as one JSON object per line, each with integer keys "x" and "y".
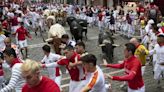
{"x": 88, "y": 2}
{"x": 107, "y": 3}
{"x": 110, "y": 3}
{"x": 98, "y": 2}
{"x": 160, "y": 4}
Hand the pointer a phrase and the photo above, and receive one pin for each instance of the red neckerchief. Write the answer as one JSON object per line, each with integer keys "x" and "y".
{"x": 22, "y": 27}
{"x": 162, "y": 44}
{"x": 157, "y": 33}
{"x": 138, "y": 46}
{"x": 16, "y": 60}
{"x": 73, "y": 57}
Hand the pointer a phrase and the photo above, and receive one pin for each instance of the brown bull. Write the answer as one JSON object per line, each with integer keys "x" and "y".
{"x": 55, "y": 43}
{"x": 49, "y": 23}
{"x": 61, "y": 17}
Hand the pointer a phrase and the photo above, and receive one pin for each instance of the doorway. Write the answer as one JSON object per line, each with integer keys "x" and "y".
{"x": 105, "y": 3}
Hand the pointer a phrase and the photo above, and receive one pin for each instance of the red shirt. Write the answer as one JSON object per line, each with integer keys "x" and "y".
{"x": 142, "y": 18}
{"x": 57, "y": 71}
{"x": 142, "y": 9}
{"x": 100, "y": 16}
{"x": 162, "y": 29}
{"x": 14, "y": 21}
{"x": 1, "y": 70}
{"x": 16, "y": 60}
{"x": 22, "y": 33}
{"x": 46, "y": 85}
{"x": 133, "y": 75}
{"x": 5, "y": 24}
{"x": 75, "y": 71}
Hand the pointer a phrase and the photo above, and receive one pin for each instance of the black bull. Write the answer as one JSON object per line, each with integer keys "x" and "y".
{"x": 106, "y": 42}
{"x": 77, "y": 27}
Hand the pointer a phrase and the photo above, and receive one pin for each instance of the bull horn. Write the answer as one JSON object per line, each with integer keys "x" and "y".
{"x": 116, "y": 45}
{"x": 49, "y": 39}
{"x": 101, "y": 45}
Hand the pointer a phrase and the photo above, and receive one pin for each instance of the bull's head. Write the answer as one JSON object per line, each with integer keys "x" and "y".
{"x": 70, "y": 19}
{"x": 106, "y": 42}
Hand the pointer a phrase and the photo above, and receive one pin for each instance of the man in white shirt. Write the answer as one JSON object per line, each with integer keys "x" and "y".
{"x": 54, "y": 73}
{"x": 2, "y": 44}
{"x": 159, "y": 51}
{"x": 146, "y": 37}
{"x": 95, "y": 80}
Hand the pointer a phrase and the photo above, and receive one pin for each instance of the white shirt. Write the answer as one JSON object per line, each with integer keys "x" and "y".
{"x": 95, "y": 81}
{"x": 153, "y": 38}
{"x": 147, "y": 28}
{"x": 18, "y": 12}
{"x": 10, "y": 14}
{"x": 159, "y": 51}
{"x": 72, "y": 43}
{"x": 25, "y": 20}
{"x": 2, "y": 44}
{"x": 33, "y": 16}
{"x": 115, "y": 13}
{"x": 77, "y": 16}
{"x": 160, "y": 30}
{"x": 50, "y": 59}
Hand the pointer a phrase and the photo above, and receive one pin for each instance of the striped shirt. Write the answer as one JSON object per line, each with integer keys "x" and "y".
{"x": 16, "y": 80}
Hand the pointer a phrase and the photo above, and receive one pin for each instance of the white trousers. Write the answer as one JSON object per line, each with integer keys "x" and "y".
{"x": 75, "y": 86}
{"x": 143, "y": 69}
{"x": 145, "y": 40}
{"x": 158, "y": 69}
{"x": 90, "y": 19}
{"x": 18, "y": 90}
{"x": 142, "y": 89}
{"x": 57, "y": 80}
{"x": 101, "y": 26}
{"x": 23, "y": 43}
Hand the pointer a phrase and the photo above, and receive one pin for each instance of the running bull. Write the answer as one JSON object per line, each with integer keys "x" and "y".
{"x": 107, "y": 45}
{"x": 77, "y": 27}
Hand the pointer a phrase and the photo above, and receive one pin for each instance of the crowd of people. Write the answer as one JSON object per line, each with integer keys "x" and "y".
{"x": 85, "y": 74}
